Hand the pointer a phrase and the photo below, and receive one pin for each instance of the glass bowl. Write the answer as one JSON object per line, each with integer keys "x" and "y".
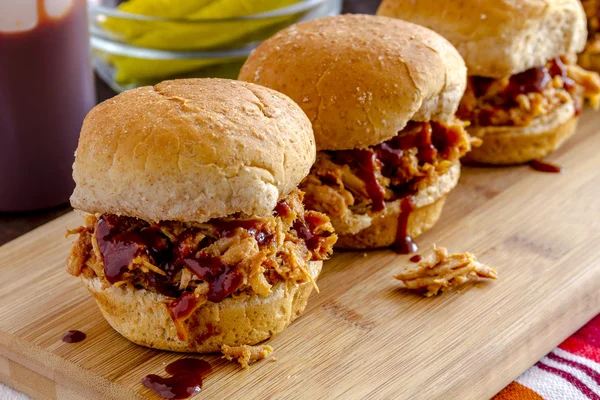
{"x": 131, "y": 50}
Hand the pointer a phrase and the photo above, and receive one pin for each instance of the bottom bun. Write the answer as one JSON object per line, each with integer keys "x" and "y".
{"x": 246, "y": 318}
{"x": 382, "y": 232}
{"x": 517, "y": 145}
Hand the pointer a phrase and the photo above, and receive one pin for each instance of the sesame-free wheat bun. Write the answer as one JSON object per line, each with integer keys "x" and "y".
{"x": 382, "y": 96}
{"x": 195, "y": 232}
{"x": 524, "y": 91}
{"x": 499, "y": 37}
{"x": 360, "y": 78}
{"x": 244, "y": 318}
{"x": 191, "y": 150}
{"x": 516, "y": 145}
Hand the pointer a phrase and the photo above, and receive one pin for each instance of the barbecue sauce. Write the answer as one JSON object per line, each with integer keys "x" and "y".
{"x": 122, "y": 239}
{"x": 416, "y": 258}
{"x": 74, "y": 337}
{"x": 120, "y": 246}
{"x": 533, "y": 80}
{"x": 222, "y": 279}
{"x": 187, "y": 376}
{"x": 404, "y": 244}
{"x": 367, "y": 164}
{"x": 429, "y": 138}
{"x": 544, "y": 166}
{"x": 46, "y": 89}
{"x": 283, "y": 209}
{"x": 184, "y": 306}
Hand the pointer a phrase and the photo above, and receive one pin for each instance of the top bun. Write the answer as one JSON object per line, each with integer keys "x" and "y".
{"x": 191, "y": 150}
{"x": 500, "y": 37}
{"x": 360, "y": 78}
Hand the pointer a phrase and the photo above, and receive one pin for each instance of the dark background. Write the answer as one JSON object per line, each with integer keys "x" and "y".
{"x": 14, "y": 225}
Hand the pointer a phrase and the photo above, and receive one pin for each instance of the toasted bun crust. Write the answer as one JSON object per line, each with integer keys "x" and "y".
{"x": 499, "y": 37}
{"x": 191, "y": 150}
{"x": 360, "y": 78}
{"x": 516, "y": 145}
{"x": 142, "y": 317}
{"x": 381, "y": 231}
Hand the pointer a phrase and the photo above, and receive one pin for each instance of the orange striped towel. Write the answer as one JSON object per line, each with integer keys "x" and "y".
{"x": 569, "y": 372}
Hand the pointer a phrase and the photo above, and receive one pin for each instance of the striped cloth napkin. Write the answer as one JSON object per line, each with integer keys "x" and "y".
{"x": 569, "y": 372}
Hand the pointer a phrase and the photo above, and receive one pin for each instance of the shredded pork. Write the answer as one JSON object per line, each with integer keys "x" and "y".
{"x": 261, "y": 252}
{"x": 519, "y": 99}
{"x": 441, "y": 271}
{"x": 246, "y": 355}
{"x": 592, "y": 47}
{"x": 339, "y": 185}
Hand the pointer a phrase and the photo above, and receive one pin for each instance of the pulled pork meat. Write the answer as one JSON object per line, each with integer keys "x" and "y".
{"x": 592, "y": 47}
{"x": 517, "y": 100}
{"x": 246, "y": 355}
{"x": 440, "y": 271}
{"x": 351, "y": 185}
{"x": 198, "y": 262}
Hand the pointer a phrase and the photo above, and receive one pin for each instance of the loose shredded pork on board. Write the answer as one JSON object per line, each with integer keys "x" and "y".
{"x": 246, "y": 355}
{"x": 441, "y": 271}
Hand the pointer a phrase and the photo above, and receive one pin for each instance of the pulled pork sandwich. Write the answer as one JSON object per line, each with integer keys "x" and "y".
{"x": 195, "y": 233}
{"x": 381, "y": 95}
{"x": 524, "y": 92}
{"x": 590, "y": 57}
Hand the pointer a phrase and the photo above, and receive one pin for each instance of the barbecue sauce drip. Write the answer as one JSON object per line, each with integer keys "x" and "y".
{"x": 184, "y": 306}
{"x": 544, "y": 166}
{"x": 120, "y": 246}
{"x": 532, "y": 80}
{"x": 305, "y": 229}
{"x": 416, "y": 258}
{"x": 283, "y": 209}
{"x": 73, "y": 337}
{"x": 366, "y": 163}
{"x": 404, "y": 244}
{"x": 187, "y": 375}
{"x": 222, "y": 279}
{"x": 429, "y": 138}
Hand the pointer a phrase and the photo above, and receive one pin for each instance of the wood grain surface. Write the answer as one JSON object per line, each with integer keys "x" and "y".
{"x": 363, "y": 336}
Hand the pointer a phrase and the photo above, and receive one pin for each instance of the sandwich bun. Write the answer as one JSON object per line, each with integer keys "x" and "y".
{"x": 360, "y": 78}
{"x": 191, "y": 150}
{"x": 505, "y": 145}
{"x": 498, "y": 38}
{"x": 244, "y": 318}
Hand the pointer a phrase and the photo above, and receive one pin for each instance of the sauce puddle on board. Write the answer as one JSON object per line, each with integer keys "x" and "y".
{"x": 543, "y": 166}
{"x": 404, "y": 243}
{"x": 73, "y": 337}
{"x": 185, "y": 381}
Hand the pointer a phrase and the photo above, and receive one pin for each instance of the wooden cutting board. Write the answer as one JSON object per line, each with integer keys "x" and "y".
{"x": 362, "y": 336}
